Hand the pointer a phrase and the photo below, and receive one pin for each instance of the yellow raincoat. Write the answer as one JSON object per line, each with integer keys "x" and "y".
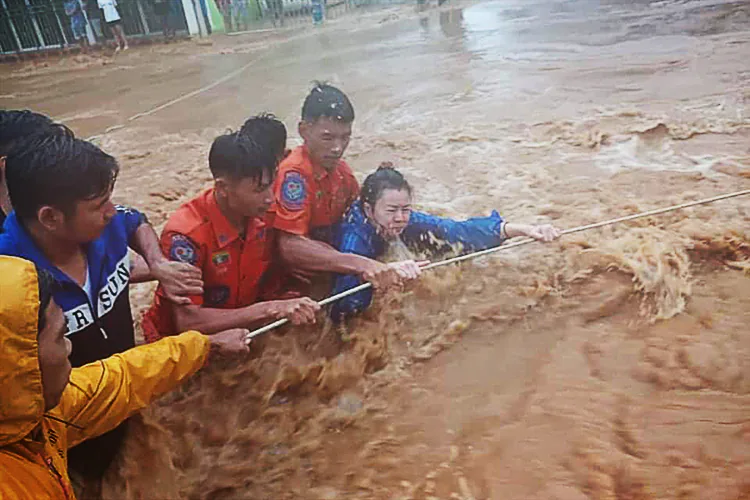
{"x": 34, "y": 445}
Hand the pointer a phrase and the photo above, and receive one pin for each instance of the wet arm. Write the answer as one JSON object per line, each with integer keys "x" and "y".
{"x": 513, "y": 229}
{"x": 146, "y": 243}
{"x": 311, "y": 255}
{"x": 474, "y": 234}
{"x": 211, "y": 320}
{"x": 139, "y": 271}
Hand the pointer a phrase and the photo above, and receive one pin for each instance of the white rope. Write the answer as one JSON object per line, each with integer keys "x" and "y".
{"x": 179, "y": 99}
{"x": 474, "y": 255}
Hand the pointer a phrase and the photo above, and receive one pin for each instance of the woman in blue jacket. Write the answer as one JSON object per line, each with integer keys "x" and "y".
{"x": 383, "y": 215}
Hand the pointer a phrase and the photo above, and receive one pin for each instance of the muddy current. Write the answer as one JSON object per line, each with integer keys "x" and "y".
{"x": 613, "y": 364}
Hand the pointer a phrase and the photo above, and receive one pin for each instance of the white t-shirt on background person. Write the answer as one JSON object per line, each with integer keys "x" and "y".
{"x": 109, "y": 7}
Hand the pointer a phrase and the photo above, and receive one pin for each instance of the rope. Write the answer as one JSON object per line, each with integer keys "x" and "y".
{"x": 481, "y": 253}
{"x": 179, "y": 99}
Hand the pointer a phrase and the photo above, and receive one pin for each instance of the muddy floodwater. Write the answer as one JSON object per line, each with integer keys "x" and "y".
{"x": 613, "y": 364}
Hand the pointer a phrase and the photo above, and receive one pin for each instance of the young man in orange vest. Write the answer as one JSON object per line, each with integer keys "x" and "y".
{"x": 227, "y": 232}
{"x": 313, "y": 189}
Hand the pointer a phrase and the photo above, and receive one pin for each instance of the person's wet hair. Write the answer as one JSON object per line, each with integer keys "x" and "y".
{"x": 238, "y": 156}
{"x": 265, "y": 127}
{"x": 385, "y": 177}
{"x": 17, "y": 126}
{"x": 57, "y": 171}
{"x": 327, "y": 101}
{"x": 47, "y": 286}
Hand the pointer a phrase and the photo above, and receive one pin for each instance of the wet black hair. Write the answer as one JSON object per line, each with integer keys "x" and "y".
{"x": 385, "y": 177}
{"x": 238, "y": 156}
{"x": 19, "y": 125}
{"x": 327, "y": 101}
{"x": 265, "y": 127}
{"x": 47, "y": 286}
{"x": 59, "y": 171}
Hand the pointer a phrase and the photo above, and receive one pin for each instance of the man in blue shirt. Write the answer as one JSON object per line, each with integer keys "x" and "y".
{"x": 65, "y": 222}
{"x": 17, "y": 127}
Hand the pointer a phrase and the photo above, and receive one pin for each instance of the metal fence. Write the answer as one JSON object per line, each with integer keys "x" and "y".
{"x": 29, "y": 25}
{"x": 293, "y": 12}
{"x": 240, "y": 15}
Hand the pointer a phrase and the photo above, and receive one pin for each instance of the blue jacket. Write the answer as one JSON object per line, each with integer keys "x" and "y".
{"x": 103, "y": 326}
{"x": 357, "y": 235}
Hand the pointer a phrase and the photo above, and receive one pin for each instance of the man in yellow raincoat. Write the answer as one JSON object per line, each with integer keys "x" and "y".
{"x": 47, "y": 407}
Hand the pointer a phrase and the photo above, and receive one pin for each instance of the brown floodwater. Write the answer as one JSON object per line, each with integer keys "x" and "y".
{"x": 613, "y": 364}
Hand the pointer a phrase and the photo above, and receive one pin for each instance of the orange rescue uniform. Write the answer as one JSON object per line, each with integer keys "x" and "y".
{"x": 233, "y": 267}
{"x": 309, "y": 199}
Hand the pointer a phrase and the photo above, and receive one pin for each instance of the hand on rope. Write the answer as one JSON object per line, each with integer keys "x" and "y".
{"x": 409, "y": 269}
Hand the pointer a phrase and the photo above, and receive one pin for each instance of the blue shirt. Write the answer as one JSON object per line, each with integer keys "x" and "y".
{"x": 101, "y": 326}
{"x": 424, "y": 232}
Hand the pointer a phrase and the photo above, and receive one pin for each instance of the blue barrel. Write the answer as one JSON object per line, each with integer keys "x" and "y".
{"x": 318, "y": 11}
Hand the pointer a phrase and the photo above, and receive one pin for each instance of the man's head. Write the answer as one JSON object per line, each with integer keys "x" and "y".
{"x": 243, "y": 171}
{"x": 54, "y": 346}
{"x": 62, "y": 185}
{"x": 265, "y": 128}
{"x": 326, "y": 126}
{"x": 19, "y": 125}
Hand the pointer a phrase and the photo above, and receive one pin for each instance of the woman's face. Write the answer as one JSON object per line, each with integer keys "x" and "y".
{"x": 391, "y": 212}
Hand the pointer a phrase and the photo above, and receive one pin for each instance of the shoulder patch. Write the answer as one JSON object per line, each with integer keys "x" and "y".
{"x": 293, "y": 191}
{"x": 181, "y": 249}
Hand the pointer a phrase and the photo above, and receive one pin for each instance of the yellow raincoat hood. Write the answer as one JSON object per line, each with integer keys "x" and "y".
{"x": 21, "y": 400}
{"x": 99, "y": 396}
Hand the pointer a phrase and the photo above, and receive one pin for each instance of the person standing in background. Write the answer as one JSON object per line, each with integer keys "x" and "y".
{"x": 113, "y": 20}
{"x": 77, "y": 22}
{"x": 162, "y": 11}
{"x": 225, "y": 7}
{"x": 240, "y": 13}
{"x": 277, "y": 12}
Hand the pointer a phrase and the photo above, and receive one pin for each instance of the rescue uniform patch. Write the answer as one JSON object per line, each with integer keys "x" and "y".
{"x": 293, "y": 191}
{"x": 183, "y": 250}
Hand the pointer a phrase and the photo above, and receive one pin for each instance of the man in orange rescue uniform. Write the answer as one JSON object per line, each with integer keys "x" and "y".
{"x": 313, "y": 189}
{"x": 227, "y": 232}
{"x": 47, "y": 407}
